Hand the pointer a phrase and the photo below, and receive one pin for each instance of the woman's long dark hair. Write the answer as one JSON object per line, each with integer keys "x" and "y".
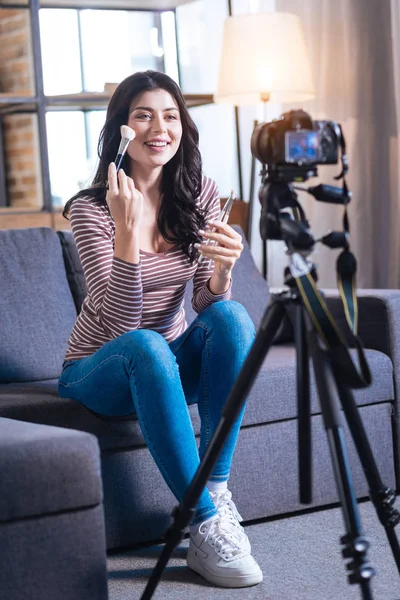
{"x": 181, "y": 180}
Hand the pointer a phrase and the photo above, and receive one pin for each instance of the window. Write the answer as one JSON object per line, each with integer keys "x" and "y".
{"x": 60, "y": 51}
{"x": 67, "y": 156}
{"x": 200, "y": 29}
{"x": 83, "y": 50}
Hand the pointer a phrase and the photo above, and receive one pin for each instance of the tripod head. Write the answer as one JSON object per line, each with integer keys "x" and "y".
{"x": 283, "y": 217}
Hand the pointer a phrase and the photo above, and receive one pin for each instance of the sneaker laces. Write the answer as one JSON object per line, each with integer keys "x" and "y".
{"x": 223, "y": 535}
{"x": 226, "y": 507}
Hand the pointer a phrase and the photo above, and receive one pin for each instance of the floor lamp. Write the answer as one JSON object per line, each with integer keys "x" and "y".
{"x": 264, "y": 59}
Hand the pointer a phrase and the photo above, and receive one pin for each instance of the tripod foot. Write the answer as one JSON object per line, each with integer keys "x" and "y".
{"x": 383, "y": 501}
{"x": 355, "y": 548}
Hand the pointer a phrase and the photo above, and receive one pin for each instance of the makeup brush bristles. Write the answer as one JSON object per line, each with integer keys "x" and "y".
{"x": 127, "y": 135}
{"x": 127, "y": 132}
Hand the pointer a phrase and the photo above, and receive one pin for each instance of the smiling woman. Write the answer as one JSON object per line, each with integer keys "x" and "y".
{"x": 131, "y": 350}
{"x": 169, "y": 176}
{"x": 155, "y": 118}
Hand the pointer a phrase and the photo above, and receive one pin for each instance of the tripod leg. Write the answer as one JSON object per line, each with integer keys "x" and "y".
{"x": 382, "y": 497}
{"x": 355, "y": 544}
{"x": 303, "y": 407}
{"x": 183, "y": 514}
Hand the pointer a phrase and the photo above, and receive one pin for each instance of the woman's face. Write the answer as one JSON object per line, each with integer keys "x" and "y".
{"x": 154, "y": 116}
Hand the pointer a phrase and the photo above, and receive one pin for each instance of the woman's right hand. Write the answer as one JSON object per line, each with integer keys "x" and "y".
{"x": 123, "y": 199}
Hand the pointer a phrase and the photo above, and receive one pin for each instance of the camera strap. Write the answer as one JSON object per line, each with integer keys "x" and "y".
{"x": 341, "y": 359}
{"x": 346, "y": 268}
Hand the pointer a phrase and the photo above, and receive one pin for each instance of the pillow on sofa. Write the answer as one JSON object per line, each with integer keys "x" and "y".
{"x": 37, "y": 311}
{"x": 73, "y": 267}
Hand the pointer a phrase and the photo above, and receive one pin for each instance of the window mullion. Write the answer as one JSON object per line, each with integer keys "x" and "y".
{"x": 83, "y": 84}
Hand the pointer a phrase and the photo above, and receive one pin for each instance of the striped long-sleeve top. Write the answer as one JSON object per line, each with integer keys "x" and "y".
{"x": 123, "y": 296}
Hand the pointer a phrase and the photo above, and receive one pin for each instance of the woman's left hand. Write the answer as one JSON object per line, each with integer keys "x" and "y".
{"x": 228, "y": 250}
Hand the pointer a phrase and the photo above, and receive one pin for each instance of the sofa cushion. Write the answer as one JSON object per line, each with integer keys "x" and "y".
{"x": 46, "y": 470}
{"x": 272, "y": 398}
{"x": 36, "y": 306}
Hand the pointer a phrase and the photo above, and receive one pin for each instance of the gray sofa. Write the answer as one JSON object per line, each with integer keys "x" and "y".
{"x": 52, "y": 534}
{"x": 42, "y": 287}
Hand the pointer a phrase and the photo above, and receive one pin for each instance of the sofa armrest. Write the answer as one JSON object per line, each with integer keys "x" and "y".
{"x": 46, "y": 470}
{"x": 52, "y": 531}
{"x": 378, "y": 319}
{"x": 378, "y": 329}
{"x": 378, "y": 322}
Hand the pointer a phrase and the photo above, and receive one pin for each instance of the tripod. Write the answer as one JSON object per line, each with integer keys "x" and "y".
{"x": 330, "y": 391}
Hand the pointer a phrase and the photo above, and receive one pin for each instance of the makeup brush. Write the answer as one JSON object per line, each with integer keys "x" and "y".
{"x": 223, "y": 216}
{"x": 127, "y": 135}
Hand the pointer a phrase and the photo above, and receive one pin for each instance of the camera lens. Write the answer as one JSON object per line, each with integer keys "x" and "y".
{"x": 260, "y": 143}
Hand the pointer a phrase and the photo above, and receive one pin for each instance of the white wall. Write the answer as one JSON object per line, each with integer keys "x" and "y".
{"x": 200, "y": 28}
{"x": 248, "y": 114}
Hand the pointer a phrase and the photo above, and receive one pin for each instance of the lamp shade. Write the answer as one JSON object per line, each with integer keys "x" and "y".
{"x": 264, "y": 57}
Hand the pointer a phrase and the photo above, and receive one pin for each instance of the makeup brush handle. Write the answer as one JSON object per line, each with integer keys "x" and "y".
{"x": 224, "y": 216}
{"x": 123, "y": 146}
{"x": 118, "y": 161}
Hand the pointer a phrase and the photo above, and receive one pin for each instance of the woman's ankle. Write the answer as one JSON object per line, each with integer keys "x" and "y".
{"x": 217, "y": 487}
{"x": 195, "y": 526}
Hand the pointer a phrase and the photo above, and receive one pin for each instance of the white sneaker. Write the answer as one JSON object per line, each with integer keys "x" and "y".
{"x": 218, "y": 553}
{"x": 227, "y": 508}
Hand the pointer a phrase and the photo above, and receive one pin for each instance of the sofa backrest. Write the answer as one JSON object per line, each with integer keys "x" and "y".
{"x": 37, "y": 311}
{"x": 42, "y": 287}
{"x": 249, "y": 287}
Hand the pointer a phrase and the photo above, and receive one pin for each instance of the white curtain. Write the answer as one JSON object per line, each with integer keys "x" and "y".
{"x": 354, "y": 48}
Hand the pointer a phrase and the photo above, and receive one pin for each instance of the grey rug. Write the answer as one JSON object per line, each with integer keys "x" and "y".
{"x": 300, "y": 558}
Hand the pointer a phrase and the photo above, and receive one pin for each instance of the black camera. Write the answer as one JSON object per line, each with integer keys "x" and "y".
{"x": 292, "y": 146}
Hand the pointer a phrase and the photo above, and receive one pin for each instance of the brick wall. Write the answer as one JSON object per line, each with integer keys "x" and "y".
{"x": 20, "y": 131}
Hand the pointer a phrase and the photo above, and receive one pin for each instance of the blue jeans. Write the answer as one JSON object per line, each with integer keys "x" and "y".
{"x": 140, "y": 373}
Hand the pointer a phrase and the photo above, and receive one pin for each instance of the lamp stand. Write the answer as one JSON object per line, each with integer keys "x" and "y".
{"x": 265, "y": 96}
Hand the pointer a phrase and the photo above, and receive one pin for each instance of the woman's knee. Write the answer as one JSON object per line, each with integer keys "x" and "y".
{"x": 145, "y": 346}
{"x": 230, "y": 317}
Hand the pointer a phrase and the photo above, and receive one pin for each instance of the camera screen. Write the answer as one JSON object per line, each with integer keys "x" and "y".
{"x": 301, "y": 146}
